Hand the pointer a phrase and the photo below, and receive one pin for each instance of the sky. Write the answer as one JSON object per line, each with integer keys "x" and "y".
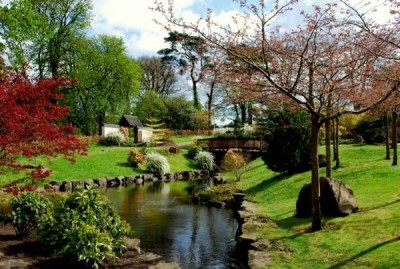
{"x": 134, "y": 21}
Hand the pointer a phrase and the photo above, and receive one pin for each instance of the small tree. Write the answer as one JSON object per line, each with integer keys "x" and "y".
{"x": 288, "y": 140}
{"x": 236, "y": 163}
{"x": 30, "y": 117}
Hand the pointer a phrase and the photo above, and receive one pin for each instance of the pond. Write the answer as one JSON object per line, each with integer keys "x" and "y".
{"x": 167, "y": 224}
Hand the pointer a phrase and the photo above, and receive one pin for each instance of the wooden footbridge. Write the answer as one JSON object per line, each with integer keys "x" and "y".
{"x": 218, "y": 144}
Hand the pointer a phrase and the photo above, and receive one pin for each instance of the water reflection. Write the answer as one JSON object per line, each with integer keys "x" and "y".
{"x": 193, "y": 236}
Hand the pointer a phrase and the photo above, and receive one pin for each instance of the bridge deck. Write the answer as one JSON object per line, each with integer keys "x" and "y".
{"x": 242, "y": 144}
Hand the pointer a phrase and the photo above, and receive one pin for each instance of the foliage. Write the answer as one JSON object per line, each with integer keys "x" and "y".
{"x": 156, "y": 163}
{"x": 43, "y": 33}
{"x": 159, "y": 134}
{"x": 135, "y": 157}
{"x": 235, "y": 162}
{"x": 187, "y": 53}
{"x": 181, "y": 114}
{"x": 372, "y": 131}
{"x": 219, "y": 193}
{"x": 193, "y": 151}
{"x": 288, "y": 141}
{"x": 150, "y": 105}
{"x": 205, "y": 160}
{"x": 27, "y": 210}
{"x": 125, "y": 132}
{"x": 85, "y": 227}
{"x": 30, "y": 117}
{"x": 108, "y": 80}
{"x": 114, "y": 139}
{"x": 158, "y": 76}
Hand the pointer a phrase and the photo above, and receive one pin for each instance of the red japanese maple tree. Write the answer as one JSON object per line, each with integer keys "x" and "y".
{"x": 30, "y": 120}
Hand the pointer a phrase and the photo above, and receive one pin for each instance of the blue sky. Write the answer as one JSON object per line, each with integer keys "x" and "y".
{"x": 133, "y": 20}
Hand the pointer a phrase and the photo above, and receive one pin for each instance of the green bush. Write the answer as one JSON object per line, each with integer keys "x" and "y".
{"x": 114, "y": 139}
{"x": 135, "y": 157}
{"x": 27, "y": 210}
{"x": 156, "y": 163}
{"x": 372, "y": 131}
{"x": 288, "y": 135}
{"x": 85, "y": 227}
{"x": 192, "y": 151}
{"x": 205, "y": 160}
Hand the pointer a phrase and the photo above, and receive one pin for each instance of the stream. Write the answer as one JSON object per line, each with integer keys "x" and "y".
{"x": 167, "y": 224}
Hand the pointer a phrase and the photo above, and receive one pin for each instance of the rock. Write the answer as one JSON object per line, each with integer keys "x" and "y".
{"x": 150, "y": 258}
{"x": 102, "y": 182}
{"x": 248, "y": 237}
{"x": 337, "y": 199}
{"x": 259, "y": 259}
{"x": 358, "y": 139}
{"x": 322, "y": 160}
{"x": 261, "y": 244}
{"x": 130, "y": 180}
{"x": 66, "y": 186}
{"x": 251, "y": 226}
{"x": 76, "y": 184}
{"x": 165, "y": 265}
{"x": 132, "y": 244}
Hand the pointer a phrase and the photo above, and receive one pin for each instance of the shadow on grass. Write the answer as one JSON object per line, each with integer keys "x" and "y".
{"x": 268, "y": 183}
{"x": 123, "y": 164}
{"x": 292, "y": 221}
{"x": 362, "y": 253}
{"x": 379, "y": 206}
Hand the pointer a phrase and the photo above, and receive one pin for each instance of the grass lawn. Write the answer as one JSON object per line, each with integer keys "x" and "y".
{"x": 101, "y": 161}
{"x": 368, "y": 239}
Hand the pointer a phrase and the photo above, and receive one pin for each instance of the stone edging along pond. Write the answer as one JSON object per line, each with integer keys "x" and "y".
{"x": 125, "y": 181}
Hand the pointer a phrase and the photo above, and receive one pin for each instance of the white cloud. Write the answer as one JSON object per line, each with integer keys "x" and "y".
{"x": 134, "y": 22}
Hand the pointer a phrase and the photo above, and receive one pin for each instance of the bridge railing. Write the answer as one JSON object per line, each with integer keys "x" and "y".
{"x": 223, "y": 144}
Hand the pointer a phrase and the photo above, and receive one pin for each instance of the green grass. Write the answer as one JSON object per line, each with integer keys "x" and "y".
{"x": 101, "y": 161}
{"x": 369, "y": 238}
{"x": 186, "y": 138}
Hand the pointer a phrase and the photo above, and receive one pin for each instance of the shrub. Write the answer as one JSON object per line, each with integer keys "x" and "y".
{"x": 114, "y": 139}
{"x": 288, "y": 136}
{"x": 156, "y": 163}
{"x": 135, "y": 157}
{"x": 372, "y": 131}
{"x": 234, "y": 162}
{"x": 125, "y": 132}
{"x": 85, "y": 226}
{"x": 205, "y": 160}
{"x": 27, "y": 210}
{"x": 192, "y": 152}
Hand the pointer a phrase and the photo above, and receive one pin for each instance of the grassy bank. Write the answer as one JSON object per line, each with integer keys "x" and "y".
{"x": 368, "y": 239}
{"x": 101, "y": 161}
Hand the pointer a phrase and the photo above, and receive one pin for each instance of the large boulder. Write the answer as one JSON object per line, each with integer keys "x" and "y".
{"x": 337, "y": 199}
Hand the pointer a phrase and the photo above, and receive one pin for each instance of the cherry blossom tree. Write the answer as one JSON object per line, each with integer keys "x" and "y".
{"x": 318, "y": 66}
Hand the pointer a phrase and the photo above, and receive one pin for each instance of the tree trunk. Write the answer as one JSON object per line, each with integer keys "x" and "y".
{"x": 210, "y": 100}
{"x": 337, "y": 155}
{"x": 100, "y": 118}
{"x": 243, "y": 112}
{"x": 394, "y": 136}
{"x": 328, "y": 149}
{"x": 196, "y": 101}
{"x": 316, "y": 206}
{"x": 387, "y": 137}
{"x": 333, "y": 130}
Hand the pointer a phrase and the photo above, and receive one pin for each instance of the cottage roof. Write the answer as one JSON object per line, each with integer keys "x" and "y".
{"x": 130, "y": 121}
